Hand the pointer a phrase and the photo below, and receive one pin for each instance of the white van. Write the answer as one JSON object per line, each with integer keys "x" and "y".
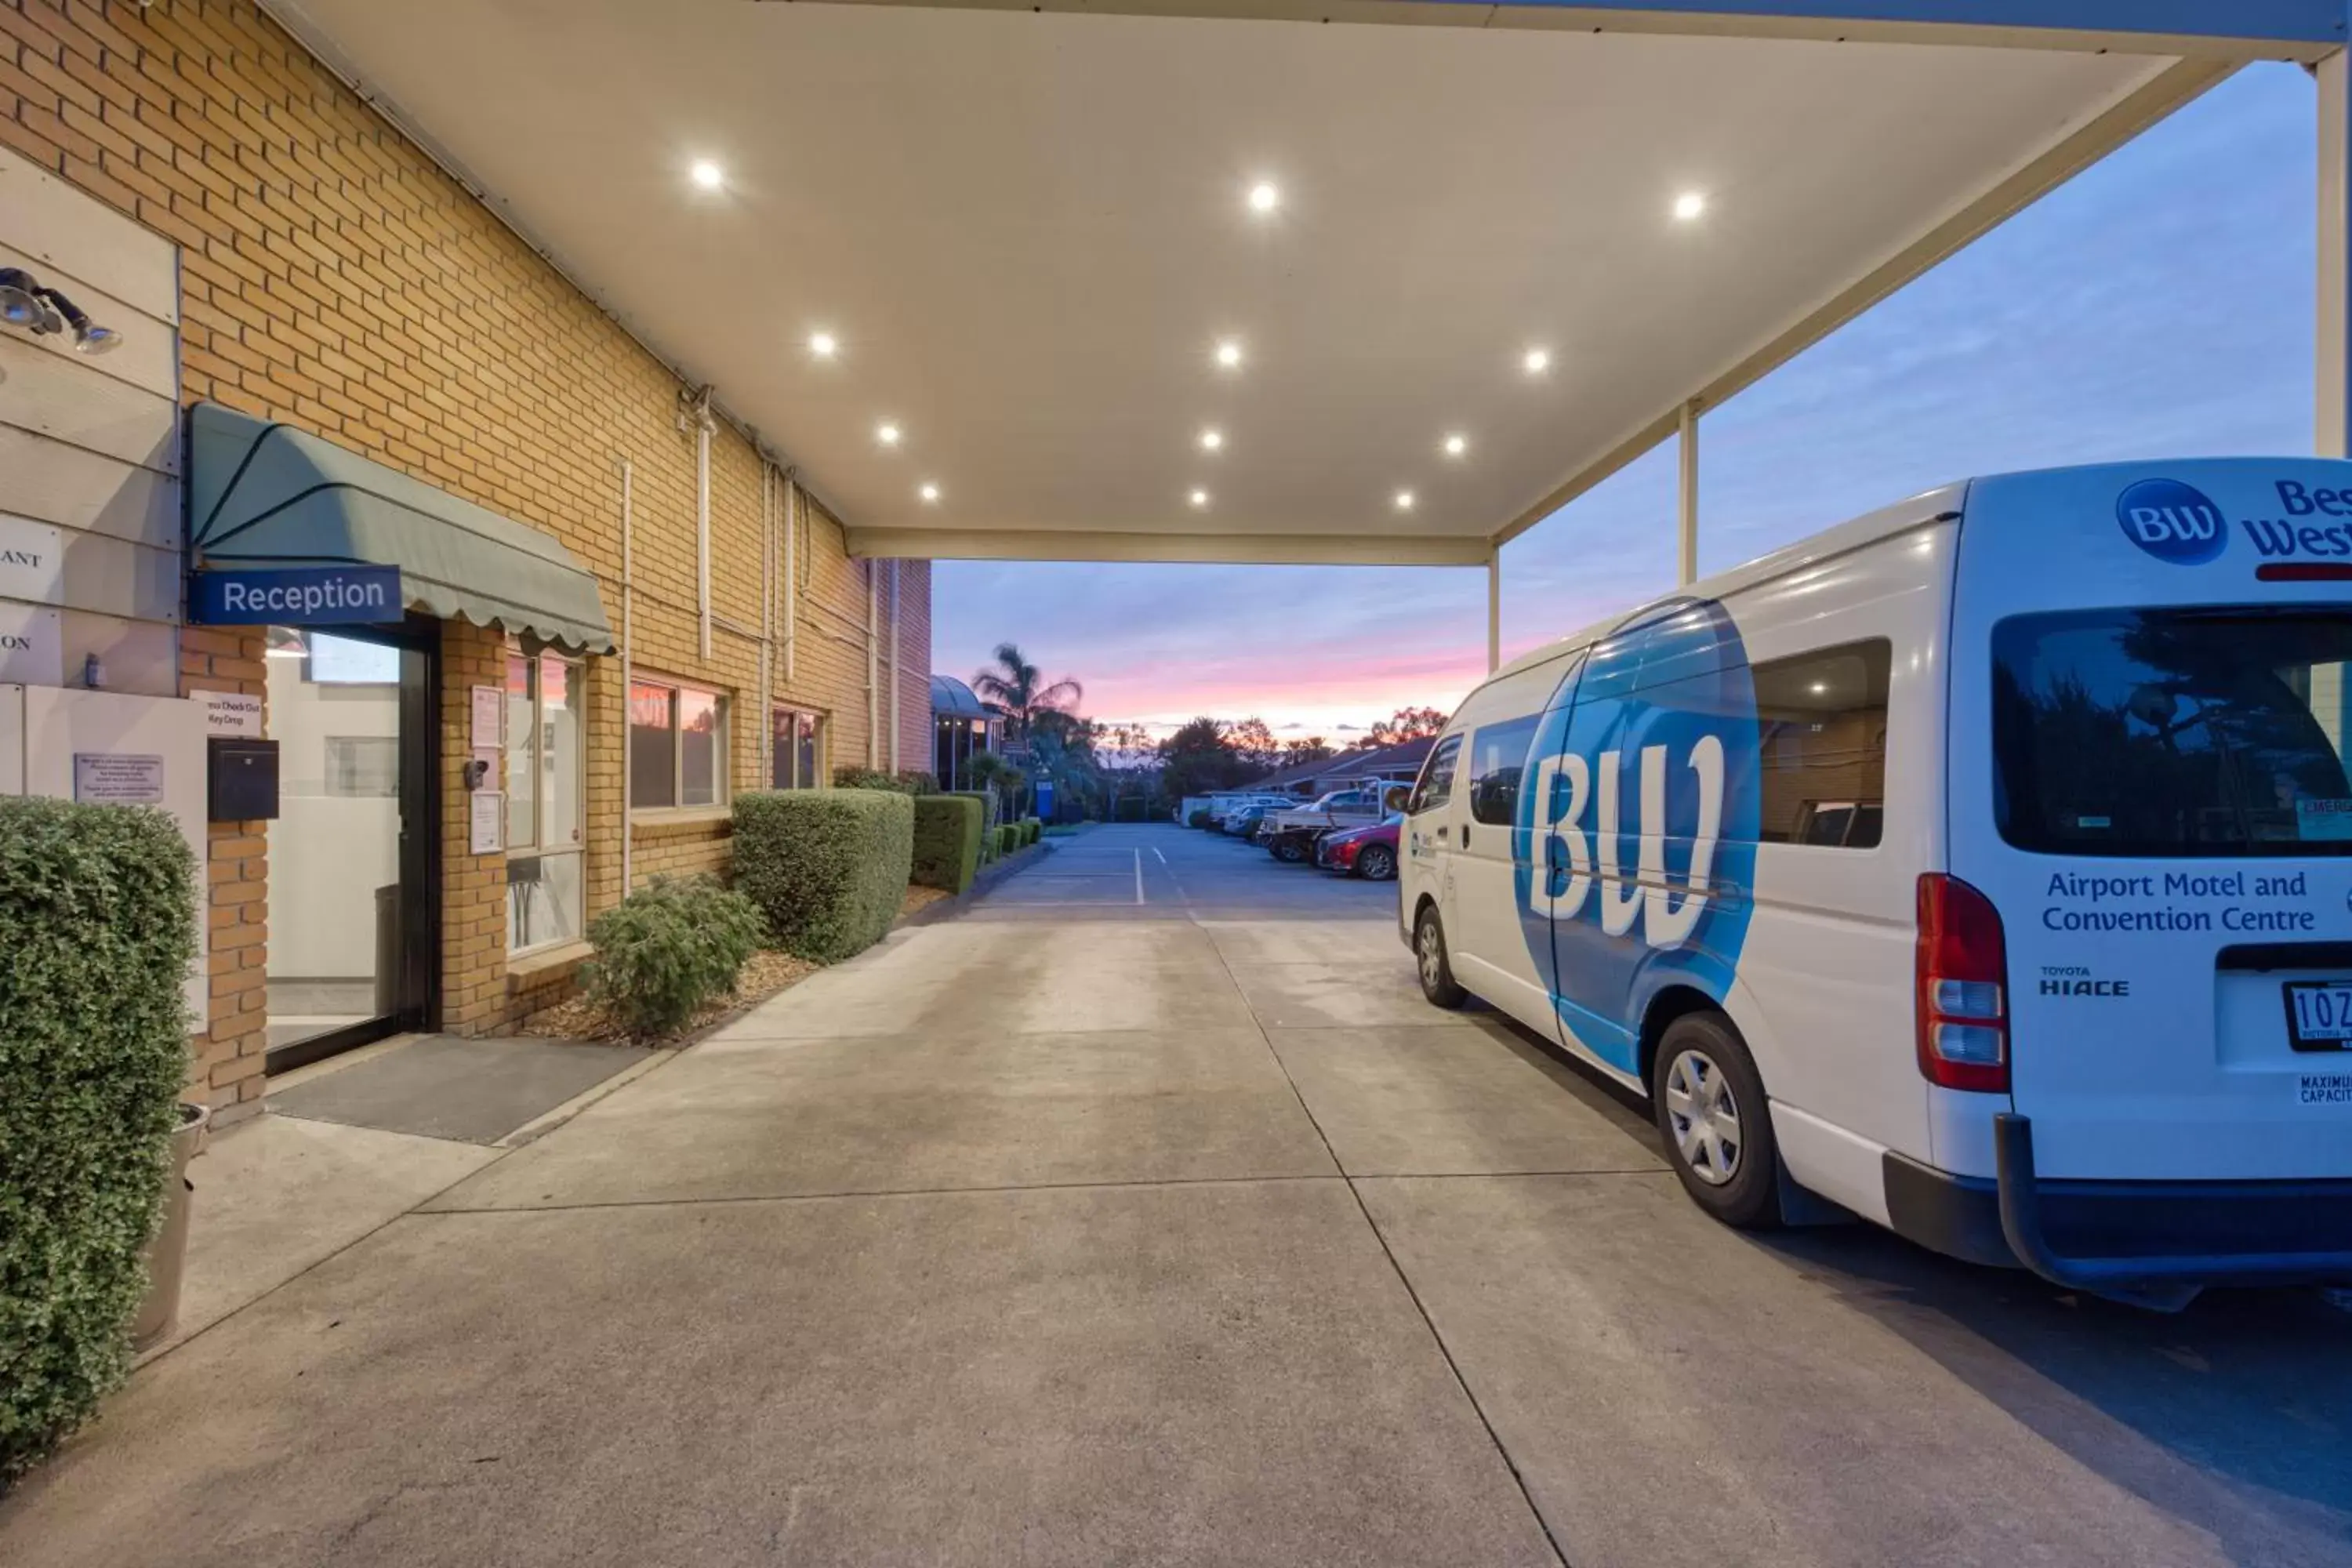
{"x": 1983, "y": 866}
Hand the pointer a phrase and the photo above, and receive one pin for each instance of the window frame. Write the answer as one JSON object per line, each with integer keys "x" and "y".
{"x": 722, "y": 782}
{"x": 821, "y": 723}
{"x": 537, "y": 851}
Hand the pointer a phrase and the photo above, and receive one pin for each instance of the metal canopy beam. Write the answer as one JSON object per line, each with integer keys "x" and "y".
{"x": 1198, "y": 549}
{"x": 2236, "y": 29}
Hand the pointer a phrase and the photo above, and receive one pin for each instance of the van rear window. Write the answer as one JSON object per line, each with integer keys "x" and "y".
{"x": 2173, "y": 733}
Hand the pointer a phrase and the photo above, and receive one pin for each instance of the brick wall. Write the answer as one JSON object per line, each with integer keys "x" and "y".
{"x": 226, "y": 1069}
{"x": 335, "y": 278}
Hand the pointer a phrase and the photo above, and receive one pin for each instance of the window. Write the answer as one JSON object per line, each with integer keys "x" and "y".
{"x": 1821, "y": 720}
{"x": 2173, "y": 733}
{"x": 546, "y": 748}
{"x": 796, "y": 749}
{"x": 363, "y": 766}
{"x": 1499, "y": 756}
{"x": 1436, "y": 785}
{"x": 677, "y": 746}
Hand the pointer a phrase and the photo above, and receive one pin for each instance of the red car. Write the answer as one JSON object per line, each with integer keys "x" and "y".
{"x": 1367, "y": 852}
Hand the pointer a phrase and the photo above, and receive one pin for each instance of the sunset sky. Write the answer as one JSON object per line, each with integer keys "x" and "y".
{"x": 2159, "y": 306}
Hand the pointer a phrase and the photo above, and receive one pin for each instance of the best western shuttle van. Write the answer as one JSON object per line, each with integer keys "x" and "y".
{"x": 1983, "y": 867}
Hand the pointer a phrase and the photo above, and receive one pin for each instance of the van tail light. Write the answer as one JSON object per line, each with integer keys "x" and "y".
{"x": 1962, "y": 1001}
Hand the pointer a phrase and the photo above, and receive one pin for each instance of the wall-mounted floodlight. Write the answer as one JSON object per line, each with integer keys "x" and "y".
{"x": 28, "y": 303}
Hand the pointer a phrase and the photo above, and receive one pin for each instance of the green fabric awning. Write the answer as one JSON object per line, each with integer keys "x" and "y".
{"x": 267, "y": 495}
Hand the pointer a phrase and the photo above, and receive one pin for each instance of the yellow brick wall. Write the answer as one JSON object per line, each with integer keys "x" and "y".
{"x": 336, "y": 279}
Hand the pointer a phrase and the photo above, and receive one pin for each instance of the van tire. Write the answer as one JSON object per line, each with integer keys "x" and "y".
{"x": 1703, "y": 1065}
{"x": 1437, "y": 968}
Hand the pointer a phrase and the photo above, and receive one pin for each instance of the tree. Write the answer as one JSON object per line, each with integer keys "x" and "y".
{"x": 1019, "y": 690}
{"x": 1197, "y": 758}
{"x": 1313, "y": 749}
{"x": 1406, "y": 725}
{"x": 1254, "y": 744}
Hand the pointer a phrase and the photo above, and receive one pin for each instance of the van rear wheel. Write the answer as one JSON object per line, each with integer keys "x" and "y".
{"x": 1437, "y": 981}
{"x": 1717, "y": 1125}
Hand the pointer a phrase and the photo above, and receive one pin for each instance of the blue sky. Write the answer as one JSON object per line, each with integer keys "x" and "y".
{"x": 2158, "y": 305}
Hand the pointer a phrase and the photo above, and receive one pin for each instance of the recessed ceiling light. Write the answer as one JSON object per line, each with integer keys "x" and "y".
{"x": 823, "y": 345}
{"x": 1200, "y": 497}
{"x": 1538, "y": 360}
{"x": 887, "y": 433}
{"x": 1404, "y": 501}
{"x": 1690, "y": 205}
{"x": 1819, "y": 688}
{"x": 1265, "y": 196}
{"x": 1211, "y": 440}
{"x": 707, "y": 174}
{"x": 1456, "y": 445}
{"x": 929, "y": 492}
{"x": 1229, "y": 353}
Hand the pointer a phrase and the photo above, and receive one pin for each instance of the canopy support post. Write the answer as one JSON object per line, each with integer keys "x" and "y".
{"x": 2334, "y": 321}
{"x": 1686, "y": 534}
{"x": 1493, "y": 609}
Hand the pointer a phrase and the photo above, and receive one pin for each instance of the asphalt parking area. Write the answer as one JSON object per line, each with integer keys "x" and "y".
{"x": 1081, "y": 1231}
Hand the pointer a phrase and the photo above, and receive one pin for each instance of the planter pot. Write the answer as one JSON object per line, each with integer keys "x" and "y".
{"x": 167, "y": 1250}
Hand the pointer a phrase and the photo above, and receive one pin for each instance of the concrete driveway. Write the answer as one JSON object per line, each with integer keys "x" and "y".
{"x": 1145, "y": 1214}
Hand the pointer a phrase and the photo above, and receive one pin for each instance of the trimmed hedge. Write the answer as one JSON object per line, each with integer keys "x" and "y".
{"x": 1031, "y": 829}
{"x": 947, "y": 841}
{"x": 98, "y": 914}
{"x": 666, "y": 949}
{"x": 988, "y": 804}
{"x": 1008, "y": 838}
{"x": 906, "y": 780}
{"x": 828, "y": 867}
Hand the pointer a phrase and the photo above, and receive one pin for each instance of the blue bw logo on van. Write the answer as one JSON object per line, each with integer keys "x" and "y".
{"x": 1637, "y": 841}
{"x": 2173, "y": 522}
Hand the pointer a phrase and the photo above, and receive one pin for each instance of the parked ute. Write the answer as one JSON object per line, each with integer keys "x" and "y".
{"x": 1367, "y": 852}
{"x": 1291, "y": 835}
{"x": 1983, "y": 867}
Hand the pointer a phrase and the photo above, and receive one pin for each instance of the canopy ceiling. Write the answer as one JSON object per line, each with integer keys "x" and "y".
{"x": 1029, "y": 234}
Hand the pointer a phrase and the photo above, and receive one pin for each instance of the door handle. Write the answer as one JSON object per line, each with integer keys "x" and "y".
{"x": 1466, "y": 835}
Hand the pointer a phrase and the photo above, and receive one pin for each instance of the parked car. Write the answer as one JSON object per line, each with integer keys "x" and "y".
{"x": 1290, "y": 835}
{"x": 1369, "y": 852}
{"x": 1978, "y": 866}
{"x": 1244, "y": 821}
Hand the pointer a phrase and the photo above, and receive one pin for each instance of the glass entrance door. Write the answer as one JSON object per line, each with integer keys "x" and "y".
{"x": 350, "y": 852}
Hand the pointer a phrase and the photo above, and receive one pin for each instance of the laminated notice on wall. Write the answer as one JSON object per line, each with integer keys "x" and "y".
{"x": 488, "y": 821}
{"x": 117, "y": 778}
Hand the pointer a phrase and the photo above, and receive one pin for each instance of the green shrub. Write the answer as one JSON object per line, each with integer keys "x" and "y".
{"x": 828, "y": 867}
{"x": 1200, "y": 817}
{"x": 988, "y": 806}
{"x": 1031, "y": 827}
{"x": 665, "y": 950}
{"x": 98, "y": 922}
{"x": 905, "y": 781}
{"x": 1008, "y": 838}
{"x": 947, "y": 841}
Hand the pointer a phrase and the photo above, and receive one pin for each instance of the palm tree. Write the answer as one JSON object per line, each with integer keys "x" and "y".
{"x": 1017, "y": 690}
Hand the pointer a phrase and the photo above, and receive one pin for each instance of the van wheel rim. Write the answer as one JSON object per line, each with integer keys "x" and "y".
{"x": 1430, "y": 956}
{"x": 1704, "y": 1117}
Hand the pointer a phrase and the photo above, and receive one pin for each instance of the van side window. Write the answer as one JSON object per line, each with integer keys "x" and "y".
{"x": 1822, "y": 768}
{"x": 1436, "y": 785}
{"x": 1498, "y": 755}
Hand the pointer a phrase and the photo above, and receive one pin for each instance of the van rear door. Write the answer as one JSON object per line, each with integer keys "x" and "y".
{"x": 2148, "y": 780}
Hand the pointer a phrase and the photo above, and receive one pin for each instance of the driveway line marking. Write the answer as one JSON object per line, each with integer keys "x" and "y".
{"x": 1163, "y": 859}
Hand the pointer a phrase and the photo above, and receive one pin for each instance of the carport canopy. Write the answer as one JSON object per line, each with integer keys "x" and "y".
{"x": 1348, "y": 281}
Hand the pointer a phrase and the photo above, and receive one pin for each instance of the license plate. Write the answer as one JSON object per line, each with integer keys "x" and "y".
{"x": 2319, "y": 1014}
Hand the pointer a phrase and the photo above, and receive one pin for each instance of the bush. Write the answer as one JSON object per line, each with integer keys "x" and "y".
{"x": 1008, "y": 838}
{"x": 947, "y": 841}
{"x": 1200, "y": 817}
{"x": 988, "y": 806}
{"x": 98, "y": 921}
{"x": 828, "y": 867}
{"x": 1031, "y": 829}
{"x": 905, "y": 781}
{"x": 665, "y": 950}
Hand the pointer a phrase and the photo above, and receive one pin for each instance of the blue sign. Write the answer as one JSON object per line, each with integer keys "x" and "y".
{"x": 296, "y": 596}
{"x": 1635, "y": 837}
{"x": 2172, "y": 522}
